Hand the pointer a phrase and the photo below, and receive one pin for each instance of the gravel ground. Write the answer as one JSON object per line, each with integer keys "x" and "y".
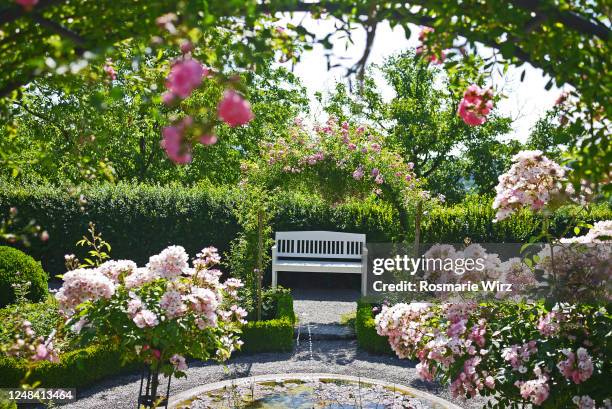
{"x": 323, "y": 306}
{"x": 340, "y": 357}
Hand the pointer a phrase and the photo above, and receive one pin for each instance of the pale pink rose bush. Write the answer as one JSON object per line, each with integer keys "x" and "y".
{"x": 518, "y": 353}
{"x": 161, "y": 313}
{"x": 578, "y": 269}
{"x": 532, "y": 182}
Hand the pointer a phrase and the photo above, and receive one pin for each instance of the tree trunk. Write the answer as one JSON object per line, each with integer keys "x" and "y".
{"x": 260, "y": 250}
{"x": 417, "y": 227}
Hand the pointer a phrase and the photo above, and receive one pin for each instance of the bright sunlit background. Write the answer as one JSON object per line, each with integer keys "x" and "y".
{"x": 525, "y": 101}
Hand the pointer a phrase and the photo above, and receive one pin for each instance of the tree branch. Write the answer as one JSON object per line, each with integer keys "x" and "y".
{"x": 569, "y": 18}
{"x": 59, "y": 29}
{"x": 44, "y": 118}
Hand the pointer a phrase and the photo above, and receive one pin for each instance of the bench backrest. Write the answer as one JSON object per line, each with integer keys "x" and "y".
{"x": 319, "y": 244}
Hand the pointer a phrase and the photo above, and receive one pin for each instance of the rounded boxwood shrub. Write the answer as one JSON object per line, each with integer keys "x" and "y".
{"x": 13, "y": 261}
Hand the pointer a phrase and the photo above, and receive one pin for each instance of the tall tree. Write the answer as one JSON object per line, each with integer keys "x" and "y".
{"x": 111, "y": 128}
{"x": 421, "y": 120}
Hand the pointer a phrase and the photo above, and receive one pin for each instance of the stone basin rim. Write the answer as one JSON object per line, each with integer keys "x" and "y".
{"x": 198, "y": 390}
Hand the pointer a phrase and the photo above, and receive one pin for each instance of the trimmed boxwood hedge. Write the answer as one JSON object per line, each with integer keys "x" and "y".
{"x": 272, "y": 335}
{"x": 76, "y": 369}
{"x": 367, "y": 338}
{"x": 83, "y": 367}
{"x": 140, "y": 220}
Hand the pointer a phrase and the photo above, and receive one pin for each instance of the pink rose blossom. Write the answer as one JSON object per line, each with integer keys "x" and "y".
{"x": 208, "y": 139}
{"x": 584, "y": 402}
{"x": 536, "y": 391}
{"x": 168, "y": 98}
{"x": 234, "y": 110}
{"x": 186, "y": 46}
{"x": 532, "y": 181}
{"x": 170, "y": 263}
{"x": 185, "y": 76}
{"x": 578, "y": 367}
{"x": 172, "y": 143}
{"x": 145, "y": 318}
{"x": 475, "y": 105}
{"x": 178, "y": 361}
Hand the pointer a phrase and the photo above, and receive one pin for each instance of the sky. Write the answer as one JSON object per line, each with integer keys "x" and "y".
{"x": 526, "y": 101}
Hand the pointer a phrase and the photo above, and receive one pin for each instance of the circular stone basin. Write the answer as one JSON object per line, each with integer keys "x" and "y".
{"x": 306, "y": 391}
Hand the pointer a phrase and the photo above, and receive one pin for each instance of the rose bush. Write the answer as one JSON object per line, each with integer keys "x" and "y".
{"x": 517, "y": 353}
{"x": 348, "y": 157}
{"x": 158, "y": 314}
{"x": 532, "y": 181}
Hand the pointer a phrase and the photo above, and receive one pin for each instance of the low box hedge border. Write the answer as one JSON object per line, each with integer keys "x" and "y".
{"x": 274, "y": 335}
{"x": 367, "y": 338}
{"x": 77, "y": 369}
{"x": 83, "y": 367}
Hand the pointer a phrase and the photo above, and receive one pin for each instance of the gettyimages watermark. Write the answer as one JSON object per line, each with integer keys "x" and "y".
{"x": 494, "y": 271}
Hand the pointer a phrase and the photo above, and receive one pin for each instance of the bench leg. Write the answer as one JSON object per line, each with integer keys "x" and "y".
{"x": 364, "y": 282}
{"x": 274, "y": 278}
{"x": 364, "y": 271}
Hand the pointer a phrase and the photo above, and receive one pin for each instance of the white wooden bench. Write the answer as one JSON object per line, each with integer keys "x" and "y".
{"x": 320, "y": 252}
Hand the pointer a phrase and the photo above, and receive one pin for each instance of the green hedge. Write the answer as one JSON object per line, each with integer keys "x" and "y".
{"x": 44, "y": 317}
{"x": 137, "y": 220}
{"x": 474, "y": 219}
{"x": 76, "y": 369}
{"x": 141, "y": 220}
{"x": 367, "y": 338}
{"x": 271, "y": 335}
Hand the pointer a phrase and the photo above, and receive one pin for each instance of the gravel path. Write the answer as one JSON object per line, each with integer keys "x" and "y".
{"x": 340, "y": 357}
{"x": 323, "y": 306}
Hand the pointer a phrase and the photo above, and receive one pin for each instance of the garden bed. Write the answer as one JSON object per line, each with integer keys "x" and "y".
{"x": 83, "y": 367}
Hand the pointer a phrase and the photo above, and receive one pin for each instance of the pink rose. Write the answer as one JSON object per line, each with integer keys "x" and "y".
{"x": 208, "y": 139}
{"x": 475, "y": 105}
{"x": 185, "y": 76}
{"x": 234, "y": 110}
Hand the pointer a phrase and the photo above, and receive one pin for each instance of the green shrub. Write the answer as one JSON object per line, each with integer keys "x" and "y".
{"x": 16, "y": 267}
{"x": 76, "y": 369}
{"x": 44, "y": 316}
{"x": 271, "y": 335}
{"x": 367, "y": 338}
{"x": 5, "y": 403}
{"x": 272, "y": 300}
